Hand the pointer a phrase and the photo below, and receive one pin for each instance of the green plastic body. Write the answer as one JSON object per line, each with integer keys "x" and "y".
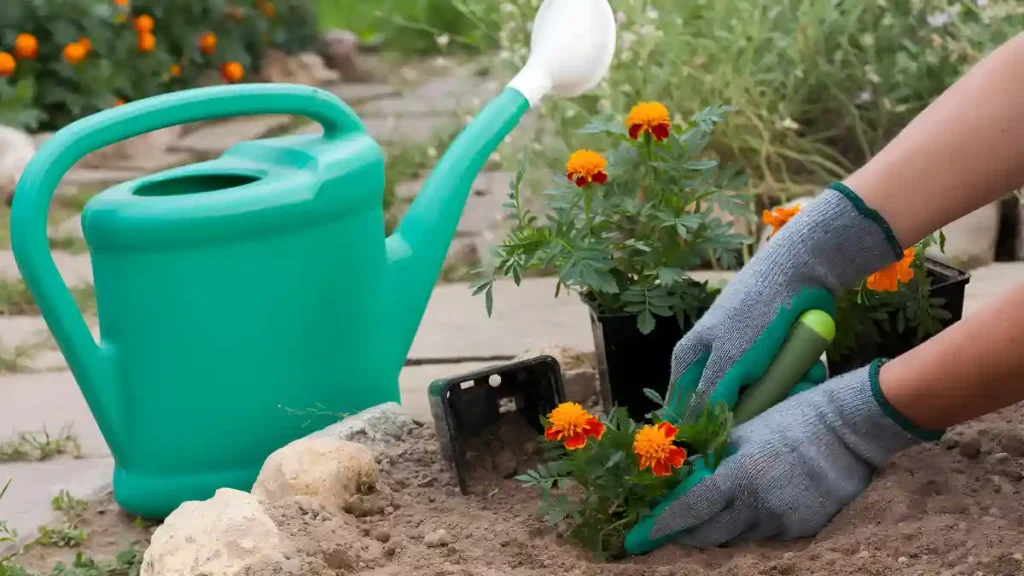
{"x": 235, "y": 292}
{"x": 807, "y": 341}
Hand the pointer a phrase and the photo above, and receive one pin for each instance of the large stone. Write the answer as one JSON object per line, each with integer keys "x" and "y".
{"x": 305, "y": 68}
{"x": 377, "y": 425}
{"x": 216, "y": 137}
{"x": 329, "y": 470}
{"x": 141, "y": 149}
{"x": 341, "y": 52}
{"x": 971, "y": 240}
{"x": 227, "y": 535}
{"x": 16, "y": 150}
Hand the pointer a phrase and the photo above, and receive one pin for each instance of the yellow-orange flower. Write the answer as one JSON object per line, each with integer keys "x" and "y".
{"x": 121, "y": 3}
{"x": 175, "y": 70}
{"x": 147, "y": 42}
{"x": 86, "y": 43}
{"x": 268, "y": 9}
{"x": 7, "y": 64}
{"x": 118, "y": 102}
{"x": 143, "y": 24}
{"x": 650, "y": 117}
{"x": 654, "y": 448}
{"x": 208, "y": 43}
{"x": 889, "y": 278}
{"x": 75, "y": 53}
{"x": 586, "y": 166}
{"x": 26, "y": 46}
{"x": 570, "y": 424}
{"x": 232, "y": 72}
{"x": 778, "y": 216}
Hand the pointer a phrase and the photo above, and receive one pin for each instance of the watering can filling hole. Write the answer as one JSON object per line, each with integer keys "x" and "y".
{"x": 194, "y": 184}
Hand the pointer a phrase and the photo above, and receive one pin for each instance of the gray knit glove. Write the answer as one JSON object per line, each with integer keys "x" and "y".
{"x": 833, "y": 243}
{"x": 791, "y": 469}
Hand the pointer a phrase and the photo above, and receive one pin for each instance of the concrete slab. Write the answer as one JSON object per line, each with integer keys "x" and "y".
{"x": 216, "y": 137}
{"x": 26, "y": 505}
{"x": 415, "y": 380}
{"x": 991, "y": 281}
{"x": 50, "y": 401}
{"x": 76, "y": 269}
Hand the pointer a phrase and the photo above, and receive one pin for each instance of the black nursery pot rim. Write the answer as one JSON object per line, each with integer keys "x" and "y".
{"x": 949, "y": 274}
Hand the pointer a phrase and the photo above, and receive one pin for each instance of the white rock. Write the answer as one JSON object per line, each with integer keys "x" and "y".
{"x": 328, "y": 470}
{"x": 971, "y": 240}
{"x": 16, "y": 149}
{"x": 377, "y": 425}
{"x": 227, "y": 535}
{"x": 579, "y": 377}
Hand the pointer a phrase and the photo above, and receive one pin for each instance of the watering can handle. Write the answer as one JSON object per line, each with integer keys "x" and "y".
{"x": 90, "y": 363}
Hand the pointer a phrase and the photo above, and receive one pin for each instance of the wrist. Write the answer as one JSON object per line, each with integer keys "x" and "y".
{"x": 897, "y": 412}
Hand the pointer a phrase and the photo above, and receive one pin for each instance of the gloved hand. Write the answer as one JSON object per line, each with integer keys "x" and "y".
{"x": 790, "y": 470}
{"x": 833, "y": 243}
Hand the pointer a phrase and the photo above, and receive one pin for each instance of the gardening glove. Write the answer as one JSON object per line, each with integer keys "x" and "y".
{"x": 789, "y": 470}
{"x": 833, "y": 243}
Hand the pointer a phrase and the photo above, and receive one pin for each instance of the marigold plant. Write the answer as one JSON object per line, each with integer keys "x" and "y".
{"x": 623, "y": 226}
{"x": 604, "y": 473}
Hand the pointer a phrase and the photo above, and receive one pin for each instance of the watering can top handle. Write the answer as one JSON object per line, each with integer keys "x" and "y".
{"x": 57, "y": 155}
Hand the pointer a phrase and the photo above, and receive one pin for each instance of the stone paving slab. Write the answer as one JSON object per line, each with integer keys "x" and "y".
{"x": 50, "y": 401}
{"x": 354, "y": 93}
{"x": 394, "y": 130}
{"x": 76, "y": 269}
{"x": 990, "y": 281}
{"x": 26, "y": 505}
{"x": 216, "y": 137}
{"x": 415, "y": 380}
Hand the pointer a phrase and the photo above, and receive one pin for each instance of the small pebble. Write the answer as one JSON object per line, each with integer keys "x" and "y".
{"x": 437, "y": 538}
{"x": 1013, "y": 444}
{"x": 903, "y": 560}
{"x": 998, "y": 458}
{"x": 381, "y": 535}
{"x": 391, "y": 549}
{"x": 863, "y": 554}
{"x": 389, "y": 510}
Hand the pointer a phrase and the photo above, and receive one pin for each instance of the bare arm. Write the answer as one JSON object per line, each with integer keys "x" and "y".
{"x": 970, "y": 369}
{"x": 962, "y": 152}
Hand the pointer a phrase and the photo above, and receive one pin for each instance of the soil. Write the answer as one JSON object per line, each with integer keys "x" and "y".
{"x": 950, "y": 508}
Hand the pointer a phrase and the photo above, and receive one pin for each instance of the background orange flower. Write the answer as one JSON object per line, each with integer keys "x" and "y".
{"x": 208, "y": 43}
{"x": 147, "y": 42}
{"x": 175, "y": 70}
{"x": 654, "y": 448}
{"x": 889, "y": 278}
{"x": 74, "y": 53}
{"x": 571, "y": 424}
{"x": 586, "y": 166}
{"x": 779, "y": 216}
{"x": 26, "y": 46}
{"x": 85, "y": 44}
{"x": 7, "y": 64}
{"x": 232, "y": 72}
{"x": 650, "y": 117}
{"x": 143, "y": 24}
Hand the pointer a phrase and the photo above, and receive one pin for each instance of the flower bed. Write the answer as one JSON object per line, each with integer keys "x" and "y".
{"x": 64, "y": 59}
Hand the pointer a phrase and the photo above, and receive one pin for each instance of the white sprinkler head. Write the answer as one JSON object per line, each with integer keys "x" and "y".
{"x": 571, "y": 49}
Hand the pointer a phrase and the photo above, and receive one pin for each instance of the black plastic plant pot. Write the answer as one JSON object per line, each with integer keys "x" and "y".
{"x": 629, "y": 361}
{"x": 948, "y": 283}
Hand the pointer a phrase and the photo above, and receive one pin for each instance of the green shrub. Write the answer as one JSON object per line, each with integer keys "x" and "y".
{"x": 820, "y": 85}
{"x": 61, "y": 83}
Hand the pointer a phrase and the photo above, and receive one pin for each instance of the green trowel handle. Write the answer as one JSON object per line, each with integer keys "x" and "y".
{"x": 811, "y": 335}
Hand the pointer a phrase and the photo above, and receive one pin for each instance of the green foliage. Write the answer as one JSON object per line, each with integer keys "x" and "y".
{"x": 48, "y": 92}
{"x": 625, "y": 246}
{"x": 7, "y": 534}
{"x": 821, "y": 85}
{"x": 598, "y": 492}
{"x": 864, "y": 317}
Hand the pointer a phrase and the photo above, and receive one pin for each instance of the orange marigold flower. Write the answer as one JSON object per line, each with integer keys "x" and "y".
{"x": 121, "y": 3}
{"x": 586, "y": 166}
{"x": 143, "y": 24}
{"x": 26, "y": 46}
{"x": 208, "y": 43}
{"x": 86, "y": 43}
{"x": 654, "y": 448}
{"x": 147, "y": 42}
{"x": 7, "y": 64}
{"x": 571, "y": 424}
{"x": 118, "y": 102}
{"x": 650, "y": 117}
{"x": 232, "y": 72}
{"x": 175, "y": 70}
{"x": 75, "y": 53}
{"x": 268, "y": 9}
{"x": 778, "y": 216}
{"x": 889, "y": 278}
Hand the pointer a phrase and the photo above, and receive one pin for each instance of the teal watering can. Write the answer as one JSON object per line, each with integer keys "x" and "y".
{"x": 233, "y": 290}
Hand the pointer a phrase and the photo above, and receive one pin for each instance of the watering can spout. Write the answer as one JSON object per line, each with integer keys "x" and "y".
{"x": 417, "y": 248}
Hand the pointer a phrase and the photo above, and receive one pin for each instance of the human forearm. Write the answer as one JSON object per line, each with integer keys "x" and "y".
{"x": 970, "y": 369}
{"x": 962, "y": 152}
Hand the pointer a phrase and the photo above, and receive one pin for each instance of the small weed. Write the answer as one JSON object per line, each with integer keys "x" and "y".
{"x": 62, "y": 535}
{"x": 312, "y": 413}
{"x": 70, "y": 244}
{"x": 7, "y": 534}
{"x": 16, "y": 300}
{"x": 39, "y": 446}
{"x": 71, "y": 507}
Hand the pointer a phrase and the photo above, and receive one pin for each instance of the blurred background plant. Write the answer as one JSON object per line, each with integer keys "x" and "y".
{"x": 75, "y": 57}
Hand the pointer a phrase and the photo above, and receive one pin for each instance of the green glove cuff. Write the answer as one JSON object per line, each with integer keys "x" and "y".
{"x": 871, "y": 214}
{"x": 895, "y": 415}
